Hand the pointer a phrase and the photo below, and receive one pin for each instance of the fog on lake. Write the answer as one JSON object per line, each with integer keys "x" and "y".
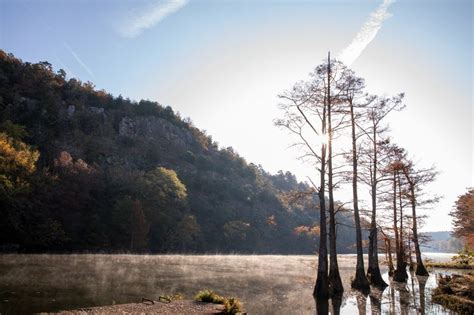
{"x": 266, "y": 284}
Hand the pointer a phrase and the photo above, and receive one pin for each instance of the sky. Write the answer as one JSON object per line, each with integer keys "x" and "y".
{"x": 223, "y": 62}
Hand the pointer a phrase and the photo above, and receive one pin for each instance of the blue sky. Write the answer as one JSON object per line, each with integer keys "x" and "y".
{"x": 222, "y": 63}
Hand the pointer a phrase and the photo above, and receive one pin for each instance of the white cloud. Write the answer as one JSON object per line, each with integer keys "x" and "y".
{"x": 366, "y": 34}
{"x": 151, "y": 16}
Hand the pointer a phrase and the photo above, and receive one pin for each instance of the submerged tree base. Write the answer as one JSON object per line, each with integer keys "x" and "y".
{"x": 421, "y": 270}
{"x": 321, "y": 289}
{"x": 400, "y": 274}
{"x": 375, "y": 278}
{"x": 360, "y": 282}
{"x": 335, "y": 284}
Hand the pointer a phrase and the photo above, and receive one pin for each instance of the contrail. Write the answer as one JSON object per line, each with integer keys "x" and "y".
{"x": 69, "y": 72}
{"x": 83, "y": 65}
{"x": 366, "y": 34}
{"x": 151, "y": 17}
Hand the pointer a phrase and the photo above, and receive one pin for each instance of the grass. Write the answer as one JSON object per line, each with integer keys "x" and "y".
{"x": 449, "y": 265}
{"x": 231, "y": 305}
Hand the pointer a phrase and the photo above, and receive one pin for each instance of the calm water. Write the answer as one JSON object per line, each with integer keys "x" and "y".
{"x": 266, "y": 284}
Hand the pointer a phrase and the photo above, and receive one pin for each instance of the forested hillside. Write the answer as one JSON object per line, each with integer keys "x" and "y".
{"x": 81, "y": 170}
{"x": 442, "y": 242}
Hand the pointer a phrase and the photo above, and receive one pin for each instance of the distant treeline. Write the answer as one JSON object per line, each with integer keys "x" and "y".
{"x": 81, "y": 170}
{"x": 442, "y": 242}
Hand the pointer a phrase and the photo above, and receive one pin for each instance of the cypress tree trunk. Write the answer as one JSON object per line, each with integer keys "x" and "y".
{"x": 373, "y": 271}
{"x": 321, "y": 289}
{"x": 411, "y": 265}
{"x": 400, "y": 274}
{"x": 360, "y": 281}
{"x": 420, "y": 268}
{"x": 335, "y": 281}
{"x": 395, "y": 219}
{"x": 388, "y": 248}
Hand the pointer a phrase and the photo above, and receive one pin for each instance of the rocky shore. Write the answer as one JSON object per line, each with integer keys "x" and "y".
{"x": 151, "y": 307}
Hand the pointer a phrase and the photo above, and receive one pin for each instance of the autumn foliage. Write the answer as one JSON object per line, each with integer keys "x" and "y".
{"x": 463, "y": 218}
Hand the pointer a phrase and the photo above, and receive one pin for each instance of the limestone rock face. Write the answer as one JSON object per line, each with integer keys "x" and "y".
{"x": 127, "y": 127}
{"x": 154, "y": 129}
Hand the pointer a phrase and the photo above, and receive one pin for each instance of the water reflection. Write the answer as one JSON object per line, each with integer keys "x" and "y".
{"x": 266, "y": 284}
{"x": 398, "y": 298}
{"x": 361, "y": 298}
{"x": 336, "y": 303}
{"x": 421, "y": 289}
{"x": 322, "y": 306}
{"x": 376, "y": 301}
{"x": 329, "y": 306}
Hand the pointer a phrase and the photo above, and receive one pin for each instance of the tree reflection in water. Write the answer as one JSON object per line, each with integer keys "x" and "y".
{"x": 421, "y": 288}
{"x": 323, "y": 307}
{"x": 376, "y": 301}
{"x": 398, "y": 298}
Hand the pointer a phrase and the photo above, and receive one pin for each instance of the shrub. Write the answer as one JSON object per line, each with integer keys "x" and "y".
{"x": 209, "y": 296}
{"x": 464, "y": 257}
{"x": 231, "y": 305}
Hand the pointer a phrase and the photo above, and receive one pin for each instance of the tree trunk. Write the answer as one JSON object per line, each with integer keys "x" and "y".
{"x": 335, "y": 281}
{"x": 411, "y": 265}
{"x": 360, "y": 281}
{"x": 388, "y": 248}
{"x": 373, "y": 271}
{"x": 321, "y": 289}
{"x": 420, "y": 268}
{"x": 395, "y": 219}
{"x": 400, "y": 274}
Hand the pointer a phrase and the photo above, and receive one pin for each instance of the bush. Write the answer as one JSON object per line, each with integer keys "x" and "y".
{"x": 209, "y": 296}
{"x": 231, "y": 305}
{"x": 464, "y": 257}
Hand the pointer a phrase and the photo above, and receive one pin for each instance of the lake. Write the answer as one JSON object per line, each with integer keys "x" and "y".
{"x": 266, "y": 284}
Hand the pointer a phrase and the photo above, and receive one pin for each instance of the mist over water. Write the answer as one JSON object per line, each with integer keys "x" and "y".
{"x": 270, "y": 284}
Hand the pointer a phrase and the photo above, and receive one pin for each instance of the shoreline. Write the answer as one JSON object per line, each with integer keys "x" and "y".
{"x": 149, "y": 307}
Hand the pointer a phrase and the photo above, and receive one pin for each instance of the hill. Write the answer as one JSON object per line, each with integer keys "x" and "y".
{"x": 441, "y": 242}
{"x": 85, "y": 171}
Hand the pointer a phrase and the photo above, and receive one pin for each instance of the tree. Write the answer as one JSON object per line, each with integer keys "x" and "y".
{"x": 139, "y": 229}
{"x": 463, "y": 218}
{"x": 375, "y": 131}
{"x": 17, "y": 163}
{"x": 305, "y": 116}
{"x": 17, "y": 167}
{"x": 187, "y": 234}
{"x": 395, "y": 169}
{"x": 360, "y": 281}
{"x": 416, "y": 180}
{"x": 334, "y": 276}
{"x": 163, "y": 197}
